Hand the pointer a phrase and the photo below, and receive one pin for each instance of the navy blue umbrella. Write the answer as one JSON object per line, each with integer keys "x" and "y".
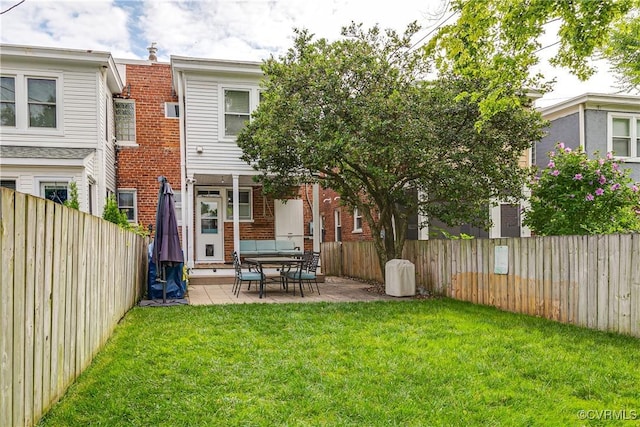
{"x": 166, "y": 246}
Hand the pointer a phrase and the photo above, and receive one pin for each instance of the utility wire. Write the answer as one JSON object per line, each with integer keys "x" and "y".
{"x": 436, "y": 28}
{"x": 14, "y": 6}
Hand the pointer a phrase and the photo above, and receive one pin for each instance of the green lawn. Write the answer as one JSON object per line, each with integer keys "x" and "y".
{"x": 406, "y": 363}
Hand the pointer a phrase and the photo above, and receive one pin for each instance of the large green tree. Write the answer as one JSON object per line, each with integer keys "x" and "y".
{"x": 358, "y": 115}
{"x": 500, "y": 41}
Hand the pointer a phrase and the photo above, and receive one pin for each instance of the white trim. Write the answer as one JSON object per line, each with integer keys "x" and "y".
{"x": 254, "y": 99}
{"x": 634, "y": 119}
{"x": 167, "y": 109}
{"x": 133, "y": 191}
{"x": 22, "y": 102}
{"x": 236, "y": 202}
{"x": 41, "y": 181}
{"x": 356, "y": 215}
{"x": 125, "y": 142}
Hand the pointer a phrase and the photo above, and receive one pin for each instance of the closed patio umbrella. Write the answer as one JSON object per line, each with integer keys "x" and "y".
{"x": 166, "y": 246}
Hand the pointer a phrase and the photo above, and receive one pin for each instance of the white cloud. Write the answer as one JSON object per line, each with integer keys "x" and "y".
{"x": 226, "y": 29}
{"x": 66, "y": 24}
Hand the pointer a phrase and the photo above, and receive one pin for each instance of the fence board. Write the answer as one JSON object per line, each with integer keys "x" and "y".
{"x": 603, "y": 282}
{"x": 7, "y": 218}
{"x": 46, "y": 263}
{"x": 582, "y": 286}
{"x": 614, "y": 284}
{"x": 19, "y": 307}
{"x": 47, "y": 309}
{"x": 592, "y": 283}
{"x": 29, "y": 307}
{"x": 40, "y": 337}
{"x": 624, "y": 281}
{"x": 634, "y": 291}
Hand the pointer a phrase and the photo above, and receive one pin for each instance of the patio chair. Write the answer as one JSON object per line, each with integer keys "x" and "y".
{"x": 243, "y": 276}
{"x": 307, "y": 271}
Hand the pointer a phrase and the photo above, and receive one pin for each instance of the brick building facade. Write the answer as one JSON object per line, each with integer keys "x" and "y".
{"x": 156, "y": 149}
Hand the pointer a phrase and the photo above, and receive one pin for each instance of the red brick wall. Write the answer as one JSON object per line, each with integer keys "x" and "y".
{"x": 329, "y": 202}
{"x": 158, "y": 138}
{"x": 263, "y": 225}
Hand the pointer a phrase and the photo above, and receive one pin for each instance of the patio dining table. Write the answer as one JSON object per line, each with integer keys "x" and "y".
{"x": 274, "y": 261}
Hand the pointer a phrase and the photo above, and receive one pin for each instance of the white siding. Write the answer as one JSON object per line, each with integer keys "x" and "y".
{"x": 78, "y": 104}
{"x": 81, "y": 125}
{"x": 84, "y": 104}
{"x": 30, "y": 178}
{"x": 202, "y": 127}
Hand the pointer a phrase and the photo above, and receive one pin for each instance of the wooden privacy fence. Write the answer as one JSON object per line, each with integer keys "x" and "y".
{"x": 591, "y": 281}
{"x": 67, "y": 279}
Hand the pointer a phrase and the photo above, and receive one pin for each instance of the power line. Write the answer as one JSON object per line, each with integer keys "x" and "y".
{"x": 14, "y": 6}
{"x": 437, "y": 27}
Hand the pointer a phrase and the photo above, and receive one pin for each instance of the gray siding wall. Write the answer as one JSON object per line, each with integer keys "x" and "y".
{"x": 595, "y": 123}
{"x": 567, "y": 129}
{"x": 564, "y": 129}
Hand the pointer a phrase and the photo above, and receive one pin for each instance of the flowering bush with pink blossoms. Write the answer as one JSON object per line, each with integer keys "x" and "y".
{"x": 578, "y": 195}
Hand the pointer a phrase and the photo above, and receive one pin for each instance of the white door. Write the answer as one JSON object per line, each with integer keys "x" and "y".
{"x": 209, "y": 229}
{"x": 290, "y": 221}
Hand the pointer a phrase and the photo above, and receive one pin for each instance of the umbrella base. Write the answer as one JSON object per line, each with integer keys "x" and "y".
{"x": 160, "y": 303}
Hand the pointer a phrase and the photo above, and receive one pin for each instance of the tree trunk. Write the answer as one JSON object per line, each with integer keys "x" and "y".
{"x": 389, "y": 239}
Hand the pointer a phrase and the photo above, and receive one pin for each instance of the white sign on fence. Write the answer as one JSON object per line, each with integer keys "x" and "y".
{"x": 501, "y": 260}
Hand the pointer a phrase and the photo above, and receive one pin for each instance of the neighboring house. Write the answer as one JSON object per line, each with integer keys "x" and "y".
{"x": 57, "y": 123}
{"x": 598, "y": 122}
{"x": 221, "y": 203}
{"x": 341, "y": 224}
{"x": 147, "y": 126}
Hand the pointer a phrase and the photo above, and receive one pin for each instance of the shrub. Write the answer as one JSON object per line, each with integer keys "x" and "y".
{"x": 578, "y": 195}
{"x": 72, "y": 202}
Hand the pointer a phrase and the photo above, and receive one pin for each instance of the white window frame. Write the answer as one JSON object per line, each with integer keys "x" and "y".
{"x": 172, "y": 110}
{"x": 135, "y": 203}
{"x": 177, "y": 197}
{"x": 14, "y": 102}
{"x": 254, "y": 100}
{"x": 22, "y": 103}
{"x": 337, "y": 225}
{"x": 634, "y": 119}
{"x": 357, "y": 221}
{"x": 125, "y": 142}
{"x": 42, "y": 183}
{"x": 228, "y": 208}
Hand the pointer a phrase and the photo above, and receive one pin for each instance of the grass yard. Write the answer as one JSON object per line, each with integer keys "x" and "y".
{"x": 407, "y": 363}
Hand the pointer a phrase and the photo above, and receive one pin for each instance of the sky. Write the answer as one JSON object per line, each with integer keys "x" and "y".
{"x": 249, "y": 30}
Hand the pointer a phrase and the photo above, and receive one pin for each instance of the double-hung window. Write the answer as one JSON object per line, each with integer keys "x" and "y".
{"x": 244, "y": 205}
{"x": 237, "y": 111}
{"x": 357, "y": 221}
{"x": 624, "y": 135}
{"x": 30, "y": 102}
{"x": 41, "y": 95}
{"x": 7, "y": 101}
{"x": 125, "y": 120}
{"x": 127, "y": 204}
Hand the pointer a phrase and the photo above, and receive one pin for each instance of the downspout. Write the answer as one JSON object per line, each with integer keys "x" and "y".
{"x": 186, "y": 184}
{"x": 581, "y": 122}
{"x": 236, "y": 213}
{"x": 101, "y": 158}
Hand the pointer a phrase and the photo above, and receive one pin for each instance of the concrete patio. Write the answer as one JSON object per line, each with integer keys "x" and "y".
{"x": 333, "y": 289}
